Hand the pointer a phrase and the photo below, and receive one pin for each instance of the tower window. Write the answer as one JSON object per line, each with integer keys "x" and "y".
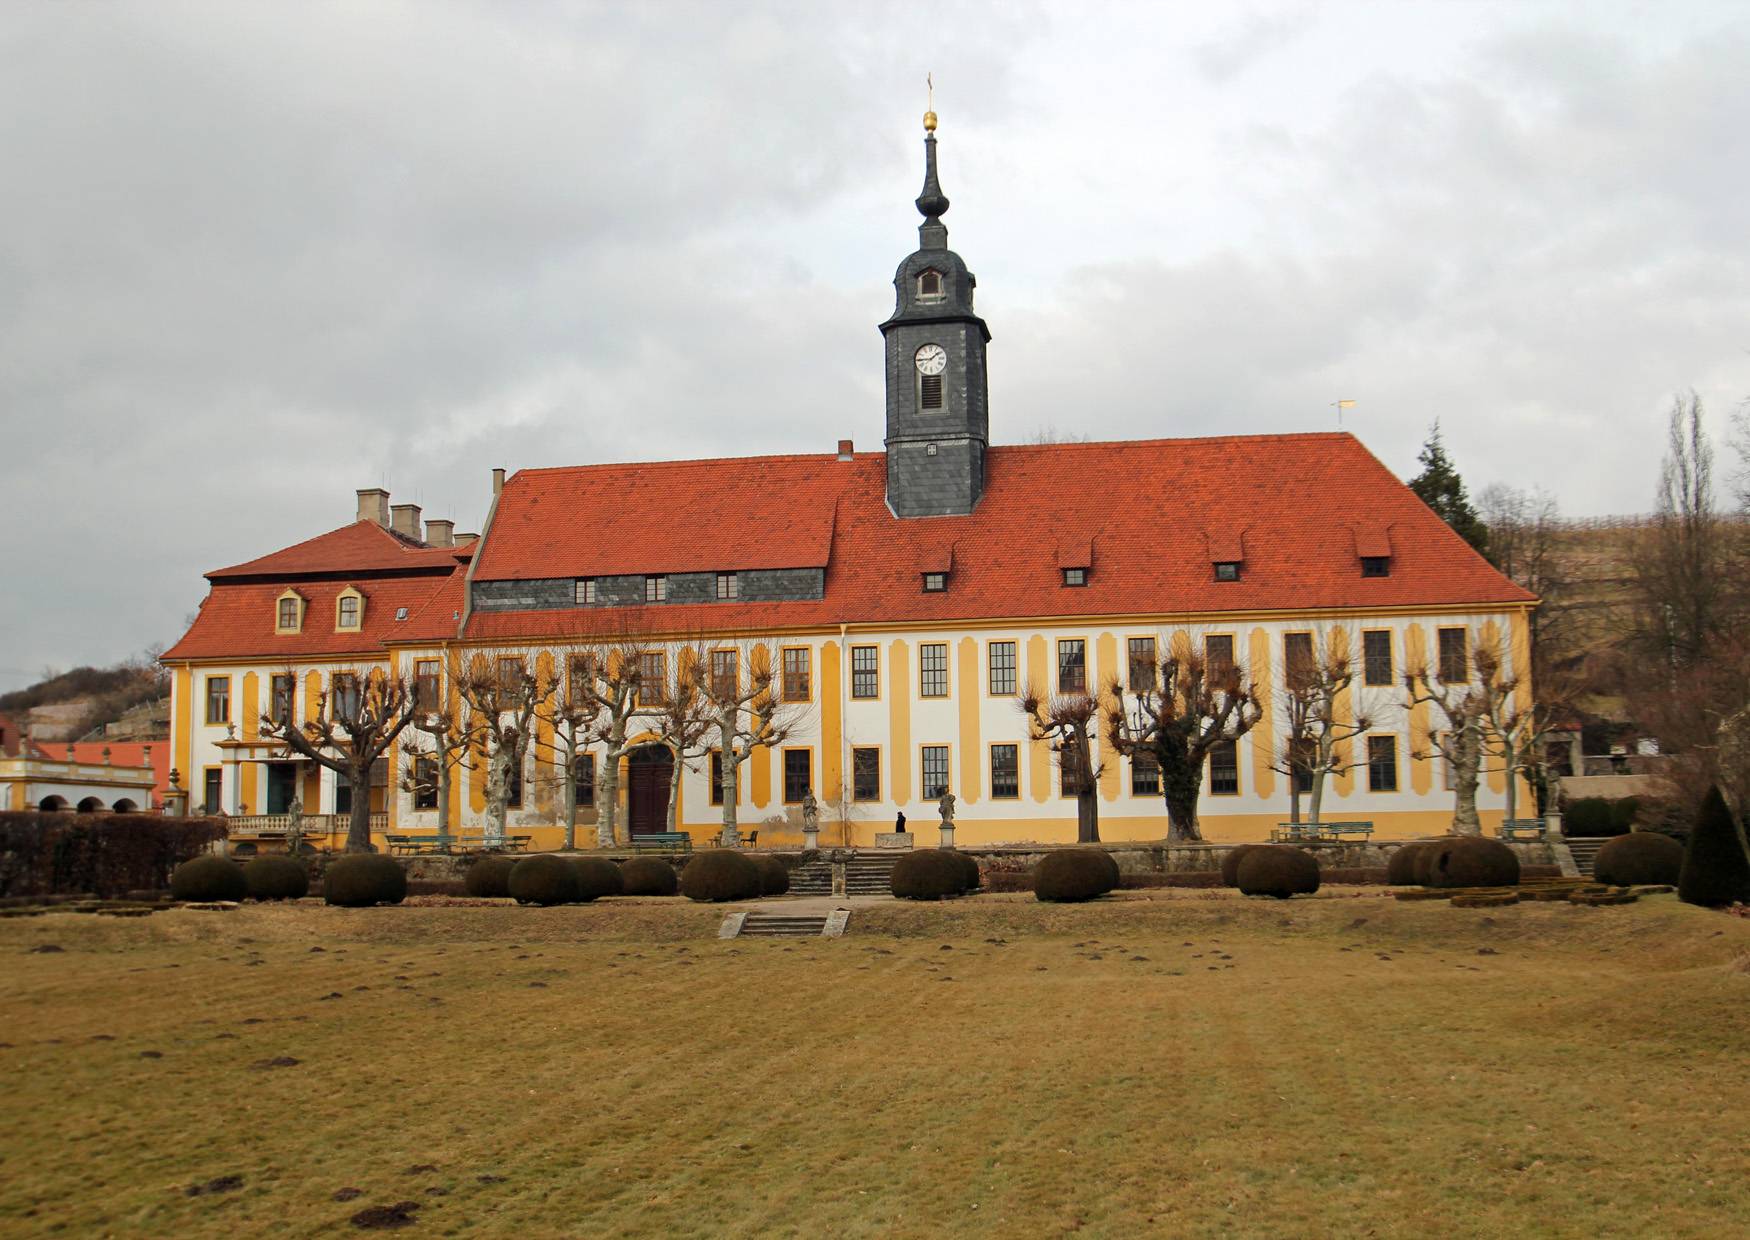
{"x": 930, "y": 391}
{"x": 930, "y": 285}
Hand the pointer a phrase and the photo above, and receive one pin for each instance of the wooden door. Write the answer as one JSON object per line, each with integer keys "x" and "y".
{"x": 647, "y": 790}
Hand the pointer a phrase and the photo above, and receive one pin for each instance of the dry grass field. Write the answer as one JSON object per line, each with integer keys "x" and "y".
{"x": 1175, "y": 1063}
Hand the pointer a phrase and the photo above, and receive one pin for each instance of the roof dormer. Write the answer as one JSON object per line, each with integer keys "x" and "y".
{"x": 288, "y": 612}
{"x": 1227, "y": 553}
{"x": 349, "y": 611}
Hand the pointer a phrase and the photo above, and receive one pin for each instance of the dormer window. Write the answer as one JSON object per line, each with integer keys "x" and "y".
{"x": 1227, "y": 570}
{"x": 935, "y": 583}
{"x": 728, "y": 586}
{"x": 1376, "y": 566}
{"x": 583, "y": 591}
{"x": 930, "y": 285}
{"x": 656, "y": 589}
{"x": 349, "y": 610}
{"x": 1075, "y": 576}
{"x": 289, "y": 612}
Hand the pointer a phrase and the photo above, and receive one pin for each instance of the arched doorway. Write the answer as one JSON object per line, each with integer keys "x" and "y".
{"x": 52, "y": 804}
{"x": 91, "y": 805}
{"x": 124, "y": 806}
{"x": 648, "y": 771}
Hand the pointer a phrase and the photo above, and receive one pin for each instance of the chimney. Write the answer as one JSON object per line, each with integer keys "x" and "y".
{"x": 497, "y": 482}
{"x": 374, "y": 505}
{"x": 845, "y": 452}
{"x": 406, "y": 520}
{"x": 440, "y": 533}
{"x": 462, "y": 540}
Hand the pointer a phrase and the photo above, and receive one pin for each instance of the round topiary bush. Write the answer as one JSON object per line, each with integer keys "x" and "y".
{"x": 276, "y": 878}
{"x": 1402, "y": 868}
{"x": 597, "y": 877}
{"x": 208, "y": 877}
{"x": 1639, "y": 857}
{"x": 969, "y": 865}
{"x": 774, "y": 876}
{"x": 1278, "y": 871}
{"x": 1230, "y": 863}
{"x": 359, "y": 880}
{"x": 1071, "y": 875}
{"x": 1588, "y": 818}
{"x": 648, "y": 876}
{"x": 544, "y": 880}
{"x": 1470, "y": 861}
{"x": 1625, "y": 813}
{"x": 489, "y": 877}
{"x": 720, "y": 874}
{"x": 928, "y": 874}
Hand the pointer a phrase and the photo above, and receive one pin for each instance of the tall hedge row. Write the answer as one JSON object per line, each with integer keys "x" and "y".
{"x": 104, "y": 854}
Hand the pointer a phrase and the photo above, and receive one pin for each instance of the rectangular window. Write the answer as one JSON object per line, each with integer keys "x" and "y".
{"x": 1454, "y": 658}
{"x": 584, "y": 768}
{"x": 344, "y": 696}
{"x": 1072, "y": 665}
{"x": 510, "y": 678}
{"x": 1002, "y": 669}
{"x": 213, "y": 789}
{"x": 653, "y": 677}
{"x": 716, "y": 777}
{"x": 1376, "y": 566}
{"x": 935, "y": 771}
{"x": 342, "y": 794}
{"x": 865, "y": 672}
{"x": 282, "y": 693}
{"x": 1005, "y": 772}
{"x": 728, "y": 586}
{"x": 514, "y": 795}
{"x": 583, "y": 591}
{"x": 656, "y": 589}
{"x": 798, "y": 774}
{"x": 1075, "y": 576}
{"x": 1376, "y": 666}
{"x": 288, "y": 613}
{"x": 349, "y": 611}
{"x": 798, "y": 674}
{"x": 725, "y": 675}
{"x": 1227, "y": 570}
{"x": 218, "y": 699}
{"x": 1145, "y": 774}
{"x": 1300, "y": 757}
{"x": 1297, "y": 659}
{"x": 933, "y": 670}
{"x": 1069, "y": 769}
{"x": 426, "y": 685}
{"x": 579, "y": 678}
{"x": 1224, "y": 769}
{"x": 1382, "y": 764}
{"x": 1218, "y": 657}
{"x": 1142, "y": 664}
{"x": 930, "y": 391}
{"x": 935, "y": 583}
{"x": 866, "y": 774}
{"x": 425, "y": 783}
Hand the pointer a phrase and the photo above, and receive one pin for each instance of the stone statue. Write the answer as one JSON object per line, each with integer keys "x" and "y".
{"x": 945, "y": 806}
{"x": 810, "y": 812}
{"x": 295, "y": 830}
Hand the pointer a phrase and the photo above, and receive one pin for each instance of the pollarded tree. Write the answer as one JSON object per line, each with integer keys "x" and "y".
{"x": 443, "y": 744}
{"x": 1319, "y": 741}
{"x": 604, "y": 681}
{"x": 1181, "y": 710}
{"x": 504, "y": 696}
{"x": 573, "y": 712}
{"x": 1440, "y": 487}
{"x": 745, "y": 714}
{"x": 682, "y": 717}
{"x": 349, "y": 726}
{"x": 1069, "y": 722}
{"x": 1460, "y": 731}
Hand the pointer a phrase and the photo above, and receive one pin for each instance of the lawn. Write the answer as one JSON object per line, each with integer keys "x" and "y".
{"x": 1184, "y": 1063}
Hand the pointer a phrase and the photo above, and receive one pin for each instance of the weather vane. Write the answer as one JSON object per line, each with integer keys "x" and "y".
{"x": 930, "y": 112}
{"x": 1340, "y": 406}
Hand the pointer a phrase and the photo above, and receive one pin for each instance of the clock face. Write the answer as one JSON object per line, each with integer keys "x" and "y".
{"x": 932, "y": 359}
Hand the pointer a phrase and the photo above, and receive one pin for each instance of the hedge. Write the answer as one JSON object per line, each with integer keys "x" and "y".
{"x": 1640, "y": 857}
{"x": 100, "y": 854}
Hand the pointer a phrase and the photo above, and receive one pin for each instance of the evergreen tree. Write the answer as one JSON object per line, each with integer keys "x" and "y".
{"x": 1716, "y": 870}
{"x": 1440, "y": 487}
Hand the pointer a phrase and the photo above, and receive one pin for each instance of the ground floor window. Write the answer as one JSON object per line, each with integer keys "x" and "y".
{"x": 866, "y": 774}
{"x": 584, "y": 768}
{"x": 513, "y": 798}
{"x": 213, "y": 789}
{"x": 716, "y": 777}
{"x": 1005, "y": 772}
{"x": 1069, "y": 769}
{"x": 1224, "y": 769}
{"x": 425, "y": 783}
{"x": 1382, "y": 764}
{"x": 798, "y": 774}
{"x": 1145, "y": 774}
{"x": 935, "y": 771}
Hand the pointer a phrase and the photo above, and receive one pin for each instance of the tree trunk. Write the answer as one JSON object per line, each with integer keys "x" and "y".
{"x": 731, "y": 765}
{"x": 1322, "y": 764}
{"x": 674, "y": 790}
{"x": 443, "y": 792}
{"x": 497, "y": 793}
{"x": 358, "y": 827}
{"x": 1510, "y": 758}
{"x": 1087, "y": 817}
{"x": 569, "y": 785}
{"x": 608, "y": 789}
{"x": 1181, "y": 785}
{"x": 1467, "y": 752}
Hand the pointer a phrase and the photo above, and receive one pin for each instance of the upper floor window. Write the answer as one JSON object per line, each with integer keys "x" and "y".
{"x": 218, "y": 699}
{"x": 1227, "y": 570}
{"x": 280, "y": 694}
{"x": 290, "y": 617}
{"x": 653, "y": 676}
{"x": 933, "y": 670}
{"x": 583, "y": 590}
{"x": 1454, "y": 658}
{"x": 345, "y": 699}
{"x": 348, "y": 609}
{"x": 865, "y": 672}
{"x": 426, "y": 685}
{"x": 935, "y": 583}
{"x": 725, "y": 675}
{"x": 1072, "y": 665}
{"x": 1002, "y": 668}
{"x": 797, "y": 684}
{"x": 1218, "y": 657}
{"x": 728, "y": 586}
{"x": 930, "y": 285}
{"x": 1075, "y": 576}
{"x": 1376, "y": 657}
{"x": 1142, "y": 664}
{"x": 1297, "y": 660}
{"x": 656, "y": 589}
{"x": 1376, "y": 566}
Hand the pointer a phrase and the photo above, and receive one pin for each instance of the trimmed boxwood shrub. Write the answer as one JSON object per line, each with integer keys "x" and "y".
{"x": 1715, "y": 870}
{"x": 1278, "y": 871}
{"x": 209, "y": 878}
{"x": 1071, "y": 875}
{"x": 774, "y": 876}
{"x": 720, "y": 874}
{"x": 648, "y": 876}
{"x": 597, "y": 877}
{"x": 544, "y": 880}
{"x": 1230, "y": 863}
{"x": 489, "y": 877}
{"x": 1470, "y": 861}
{"x": 1402, "y": 868}
{"x": 276, "y": 878}
{"x": 1592, "y": 817}
{"x": 1638, "y": 858}
{"x": 1625, "y": 812}
{"x": 928, "y": 874}
{"x": 359, "y": 880}
{"x": 968, "y": 864}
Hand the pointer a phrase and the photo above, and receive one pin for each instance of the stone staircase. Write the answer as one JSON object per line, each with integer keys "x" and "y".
{"x": 812, "y": 878}
{"x": 866, "y": 874}
{"x": 1585, "y": 852}
{"x": 759, "y": 925}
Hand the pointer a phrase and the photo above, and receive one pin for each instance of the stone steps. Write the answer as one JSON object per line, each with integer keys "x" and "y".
{"x": 783, "y": 926}
{"x": 866, "y": 874}
{"x": 1585, "y": 852}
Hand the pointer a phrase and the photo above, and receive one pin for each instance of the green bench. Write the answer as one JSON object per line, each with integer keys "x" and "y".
{"x": 1319, "y": 831}
{"x": 663, "y": 841}
{"x": 1521, "y": 829}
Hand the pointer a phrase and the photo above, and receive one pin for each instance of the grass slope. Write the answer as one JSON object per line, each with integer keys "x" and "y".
{"x": 1169, "y": 1062}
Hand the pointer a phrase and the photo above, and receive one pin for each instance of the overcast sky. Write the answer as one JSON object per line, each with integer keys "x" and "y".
{"x": 255, "y": 256}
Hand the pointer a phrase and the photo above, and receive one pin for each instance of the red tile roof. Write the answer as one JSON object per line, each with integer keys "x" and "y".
{"x": 364, "y": 547}
{"x": 1142, "y": 512}
{"x": 237, "y": 619}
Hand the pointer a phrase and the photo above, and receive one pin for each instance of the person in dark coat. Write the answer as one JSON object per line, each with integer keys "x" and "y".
{"x": 899, "y": 822}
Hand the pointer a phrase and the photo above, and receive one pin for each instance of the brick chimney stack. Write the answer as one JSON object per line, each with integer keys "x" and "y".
{"x": 374, "y": 505}
{"x": 440, "y": 533}
{"x": 406, "y": 521}
{"x": 497, "y": 482}
{"x": 845, "y": 452}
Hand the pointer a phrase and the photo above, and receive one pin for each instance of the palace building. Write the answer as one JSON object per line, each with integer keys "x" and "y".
{"x": 907, "y": 596}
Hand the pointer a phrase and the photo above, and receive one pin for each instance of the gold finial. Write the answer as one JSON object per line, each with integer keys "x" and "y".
{"x": 930, "y": 113}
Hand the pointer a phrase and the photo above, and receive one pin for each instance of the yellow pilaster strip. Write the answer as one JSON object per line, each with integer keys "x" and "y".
{"x": 1106, "y": 669}
{"x": 546, "y": 787}
{"x": 971, "y": 753}
{"x": 182, "y": 726}
{"x": 1263, "y": 736}
{"x": 900, "y": 759}
{"x": 1421, "y": 769}
{"x": 313, "y": 776}
{"x": 1039, "y": 675}
{"x": 1490, "y": 639}
{"x": 250, "y": 772}
{"x": 1343, "y": 712}
{"x": 832, "y": 729}
{"x": 760, "y": 761}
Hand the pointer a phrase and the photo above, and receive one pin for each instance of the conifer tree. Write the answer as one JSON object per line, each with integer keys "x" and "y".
{"x": 1440, "y": 487}
{"x": 1716, "y": 870}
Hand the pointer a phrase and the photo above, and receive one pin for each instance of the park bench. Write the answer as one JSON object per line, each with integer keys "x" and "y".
{"x": 1521, "y": 829}
{"x": 1337, "y": 830}
{"x": 1319, "y": 831}
{"x": 749, "y": 839}
{"x": 663, "y": 841}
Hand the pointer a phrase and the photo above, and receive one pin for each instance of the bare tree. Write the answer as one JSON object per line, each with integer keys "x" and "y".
{"x": 504, "y": 698}
{"x": 573, "y": 712}
{"x": 443, "y": 744}
{"x": 604, "y": 684}
{"x": 1321, "y": 736}
{"x": 350, "y": 725}
{"x": 1182, "y": 709}
{"x": 1070, "y": 721}
{"x": 681, "y": 715}
{"x": 1457, "y": 737}
{"x": 745, "y": 713}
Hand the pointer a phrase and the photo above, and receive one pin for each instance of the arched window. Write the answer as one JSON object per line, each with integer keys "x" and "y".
{"x": 91, "y": 805}
{"x": 930, "y": 285}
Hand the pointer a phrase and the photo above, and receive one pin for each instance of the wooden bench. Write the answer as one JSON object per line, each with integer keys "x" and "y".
{"x": 661, "y": 841}
{"x": 1319, "y": 831}
{"x": 1521, "y": 829}
{"x": 750, "y": 839}
{"x": 1337, "y": 830}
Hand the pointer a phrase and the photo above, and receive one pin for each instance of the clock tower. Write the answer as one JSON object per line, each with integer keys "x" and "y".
{"x": 938, "y": 422}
